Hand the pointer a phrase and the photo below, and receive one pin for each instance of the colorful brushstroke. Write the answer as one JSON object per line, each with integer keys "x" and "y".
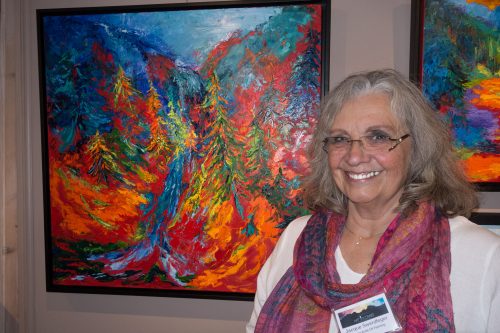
{"x": 176, "y": 142}
{"x": 461, "y": 77}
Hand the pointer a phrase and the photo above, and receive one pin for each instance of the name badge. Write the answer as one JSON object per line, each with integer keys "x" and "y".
{"x": 372, "y": 315}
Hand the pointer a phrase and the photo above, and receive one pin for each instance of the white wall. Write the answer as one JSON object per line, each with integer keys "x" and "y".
{"x": 365, "y": 34}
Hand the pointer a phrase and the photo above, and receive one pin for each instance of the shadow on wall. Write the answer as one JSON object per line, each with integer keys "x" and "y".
{"x": 150, "y": 306}
{"x": 400, "y": 38}
{"x": 9, "y": 324}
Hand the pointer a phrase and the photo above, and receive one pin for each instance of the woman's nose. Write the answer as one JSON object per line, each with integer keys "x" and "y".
{"x": 356, "y": 153}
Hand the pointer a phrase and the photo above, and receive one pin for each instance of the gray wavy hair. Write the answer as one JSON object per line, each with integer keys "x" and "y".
{"x": 434, "y": 172}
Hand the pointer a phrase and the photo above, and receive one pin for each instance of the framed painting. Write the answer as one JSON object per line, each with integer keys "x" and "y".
{"x": 174, "y": 141}
{"x": 455, "y": 57}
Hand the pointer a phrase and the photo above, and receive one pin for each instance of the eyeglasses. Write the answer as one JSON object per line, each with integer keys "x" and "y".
{"x": 375, "y": 143}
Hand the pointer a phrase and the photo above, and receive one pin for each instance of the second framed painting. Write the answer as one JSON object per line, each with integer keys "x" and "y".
{"x": 174, "y": 139}
{"x": 455, "y": 57}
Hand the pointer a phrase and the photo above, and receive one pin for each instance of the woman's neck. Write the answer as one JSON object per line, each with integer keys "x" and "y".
{"x": 362, "y": 232}
{"x": 369, "y": 222}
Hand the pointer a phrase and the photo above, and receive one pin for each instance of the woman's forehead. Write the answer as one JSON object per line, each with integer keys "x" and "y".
{"x": 366, "y": 111}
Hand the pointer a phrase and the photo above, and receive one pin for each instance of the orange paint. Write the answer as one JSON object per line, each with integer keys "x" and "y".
{"x": 485, "y": 167}
{"x": 488, "y": 93}
{"x": 93, "y": 212}
{"x": 491, "y": 4}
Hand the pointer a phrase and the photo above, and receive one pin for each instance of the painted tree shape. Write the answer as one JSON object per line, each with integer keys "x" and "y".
{"x": 305, "y": 80}
{"x": 271, "y": 107}
{"x": 128, "y": 128}
{"x": 74, "y": 109}
{"x": 158, "y": 142}
{"x": 257, "y": 170}
{"x": 277, "y": 194}
{"x": 277, "y": 123}
{"x": 221, "y": 160}
{"x": 103, "y": 161}
{"x": 217, "y": 191}
{"x": 127, "y": 116}
{"x": 257, "y": 155}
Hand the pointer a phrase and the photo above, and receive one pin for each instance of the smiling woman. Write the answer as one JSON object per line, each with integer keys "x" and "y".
{"x": 387, "y": 194}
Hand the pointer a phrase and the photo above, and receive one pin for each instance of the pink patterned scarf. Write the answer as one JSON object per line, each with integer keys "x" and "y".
{"x": 412, "y": 264}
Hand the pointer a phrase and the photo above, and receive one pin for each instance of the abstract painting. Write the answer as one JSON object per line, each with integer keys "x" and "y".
{"x": 457, "y": 61}
{"x": 174, "y": 141}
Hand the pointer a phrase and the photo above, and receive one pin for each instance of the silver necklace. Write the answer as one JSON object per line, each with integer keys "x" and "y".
{"x": 360, "y": 238}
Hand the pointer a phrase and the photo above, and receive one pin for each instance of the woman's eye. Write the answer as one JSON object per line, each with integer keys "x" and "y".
{"x": 339, "y": 139}
{"x": 379, "y": 137}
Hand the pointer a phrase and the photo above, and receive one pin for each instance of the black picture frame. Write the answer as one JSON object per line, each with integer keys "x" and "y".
{"x": 67, "y": 81}
{"x": 417, "y": 51}
{"x": 486, "y": 218}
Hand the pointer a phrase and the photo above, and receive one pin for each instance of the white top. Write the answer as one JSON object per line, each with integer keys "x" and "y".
{"x": 475, "y": 275}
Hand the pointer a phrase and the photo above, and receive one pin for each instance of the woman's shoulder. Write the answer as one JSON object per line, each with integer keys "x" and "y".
{"x": 475, "y": 268}
{"x": 473, "y": 245}
{"x": 464, "y": 231}
{"x": 282, "y": 256}
{"x": 290, "y": 234}
{"x": 295, "y": 227}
